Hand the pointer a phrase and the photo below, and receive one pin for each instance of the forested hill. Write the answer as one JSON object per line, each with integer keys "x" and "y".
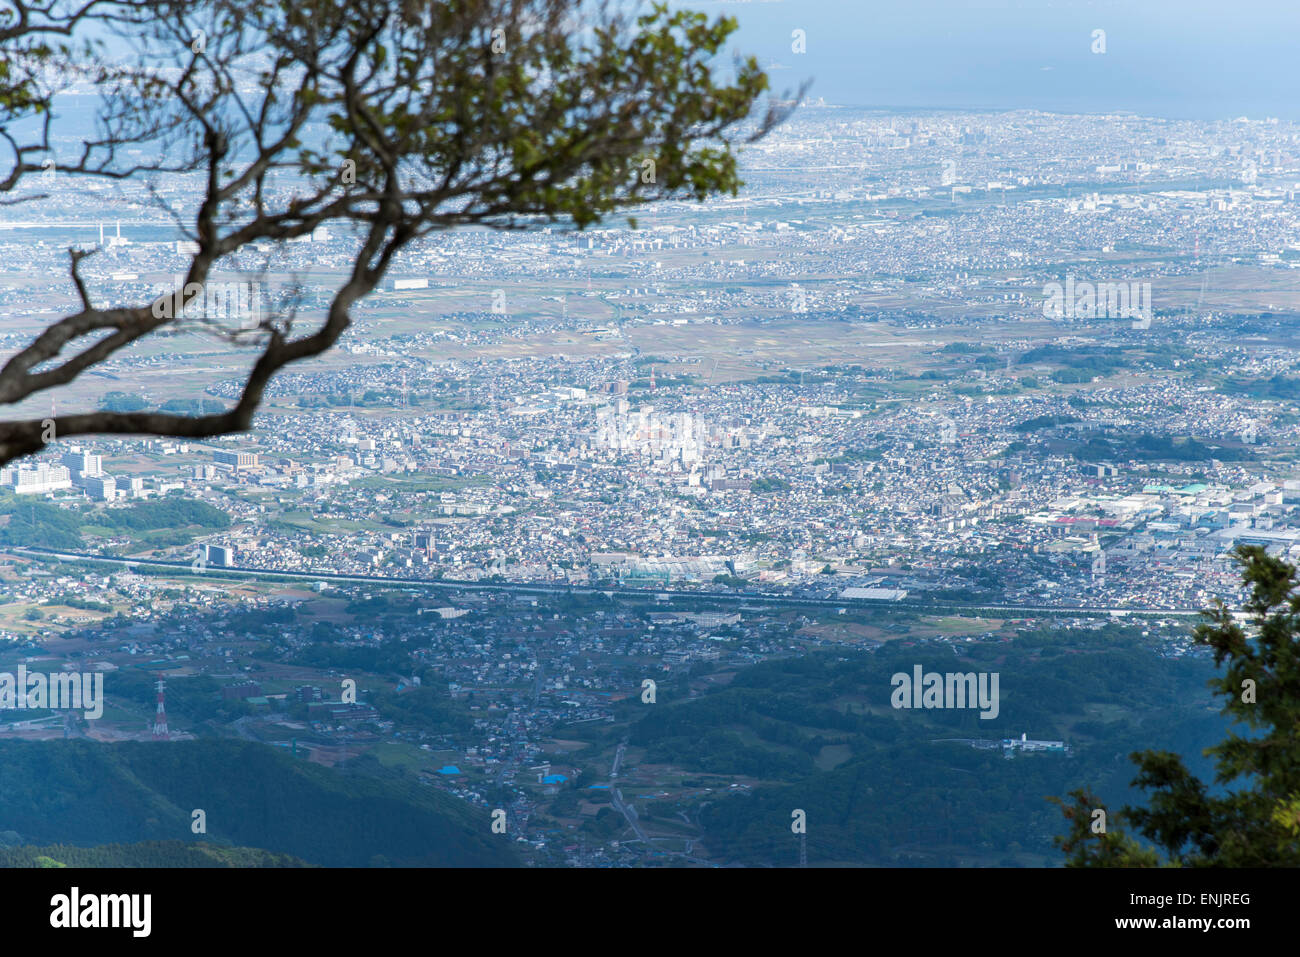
{"x": 253, "y": 796}
{"x": 895, "y": 787}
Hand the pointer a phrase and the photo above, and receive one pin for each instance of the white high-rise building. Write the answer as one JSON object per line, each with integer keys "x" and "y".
{"x": 26, "y": 480}
{"x": 101, "y": 487}
{"x": 79, "y": 463}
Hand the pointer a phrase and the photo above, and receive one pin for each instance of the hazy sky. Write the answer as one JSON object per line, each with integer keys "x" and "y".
{"x": 1184, "y": 58}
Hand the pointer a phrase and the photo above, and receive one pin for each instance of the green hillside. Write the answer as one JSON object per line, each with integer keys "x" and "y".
{"x": 254, "y": 796}
{"x": 144, "y": 854}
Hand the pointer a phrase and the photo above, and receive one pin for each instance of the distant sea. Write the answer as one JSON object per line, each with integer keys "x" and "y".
{"x": 1185, "y": 59}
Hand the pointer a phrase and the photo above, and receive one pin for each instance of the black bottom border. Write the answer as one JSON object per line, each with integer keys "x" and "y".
{"x": 334, "y": 906}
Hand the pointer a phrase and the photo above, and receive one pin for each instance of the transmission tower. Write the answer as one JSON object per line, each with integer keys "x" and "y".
{"x": 160, "y": 732}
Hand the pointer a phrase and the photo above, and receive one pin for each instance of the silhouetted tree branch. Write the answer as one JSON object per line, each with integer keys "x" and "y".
{"x": 436, "y": 114}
